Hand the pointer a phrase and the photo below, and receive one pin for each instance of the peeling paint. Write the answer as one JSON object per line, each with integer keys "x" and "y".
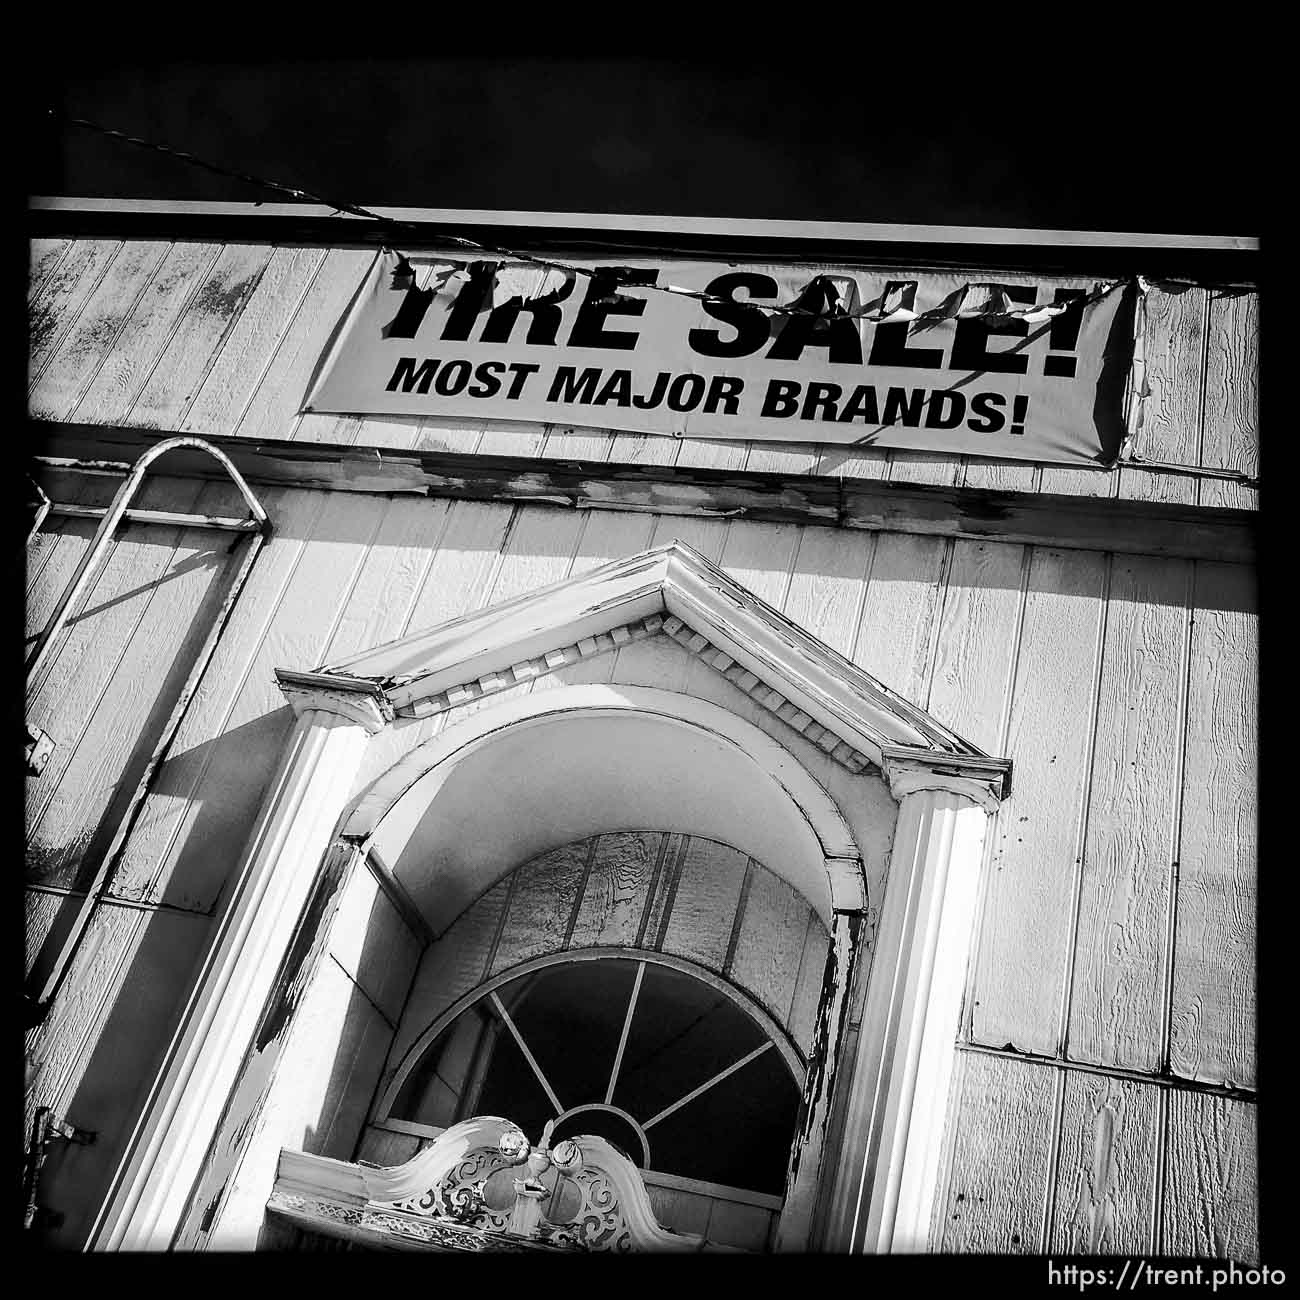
{"x": 1101, "y": 1209}
{"x": 308, "y": 943}
{"x": 210, "y": 1212}
{"x": 829, "y": 1031}
{"x": 257, "y": 1072}
{"x": 1130, "y": 527}
{"x": 224, "y": 300}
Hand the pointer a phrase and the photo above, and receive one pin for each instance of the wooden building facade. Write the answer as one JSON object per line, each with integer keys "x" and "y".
{"x": 925, "y": 784}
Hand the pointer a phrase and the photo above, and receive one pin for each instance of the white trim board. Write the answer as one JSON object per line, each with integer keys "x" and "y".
{"x": 665, "y": 224}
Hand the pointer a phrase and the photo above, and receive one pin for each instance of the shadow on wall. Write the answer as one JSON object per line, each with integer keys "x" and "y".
{"x": 165, "y": 948}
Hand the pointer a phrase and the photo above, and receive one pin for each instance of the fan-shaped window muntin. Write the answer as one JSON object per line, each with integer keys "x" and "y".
{"x": 669, "y": 1062}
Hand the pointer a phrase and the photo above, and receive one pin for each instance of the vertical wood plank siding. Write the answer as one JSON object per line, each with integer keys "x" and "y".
{"x": 1019, "y": 973}
{"x": 1175, "y": 362}
{"x": 247, "y": 341}
{"x": 1120, "y": 956}
{"x": 996, "y": 1197}
{"x": 157, "y": 314}
{"x": 1211, "y": 1165}
{"x": 94, "y": 333}
{"x": 107, "y": 701}
{"x": 1116, "y": 927}
{"x": 56, "y": 305}
{"x": 1212, "y": 1033}
{"x": 43, "y": 256}
{"x": 1230, "y": 421}
{"x": 1098, "y": 664}
{"x": 1105, "y": 1179}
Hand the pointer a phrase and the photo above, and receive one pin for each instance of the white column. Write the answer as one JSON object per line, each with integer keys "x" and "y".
{"x": 886, "y": 1184}
{"x": 301, "y": 807}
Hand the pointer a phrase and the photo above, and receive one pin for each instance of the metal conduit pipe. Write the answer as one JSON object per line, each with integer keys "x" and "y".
{"x": 42, "y": 509}
{"x": 94, "y": 557}
{"x": 38, "y": 1006}
{"x": 75, "y": 511}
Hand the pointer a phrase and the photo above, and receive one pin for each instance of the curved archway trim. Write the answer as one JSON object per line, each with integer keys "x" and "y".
{"x": 770, "y": 757}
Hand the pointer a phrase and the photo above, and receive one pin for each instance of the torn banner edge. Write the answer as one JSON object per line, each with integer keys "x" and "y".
{"x": 1139, "y": 390}
{"x": 953, "y": 306}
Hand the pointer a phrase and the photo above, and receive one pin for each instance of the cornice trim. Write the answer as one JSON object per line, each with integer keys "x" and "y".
{"x": 422, "y": 706}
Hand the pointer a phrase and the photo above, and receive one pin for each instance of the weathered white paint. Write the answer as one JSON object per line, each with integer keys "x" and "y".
{"x": 93, "y": 336}
{"x": 1175, "y": 316}
{"x": 309, "y": 1082}
{"x": 227, "y": 333}
{"x": 1121, "y": 949}
{"x": 54, "y": 309}
{"x": 1230, "y": 414}
{"x": 904, "y": 607}
{"x": 1213, "y": 976}
{"x": 326, "y": 573}
{"x": 1106, "y": 1173}
{"x": 1210, "y": 1205}
{"x": 195, "y": 343}
{"x": 1005, "y": 1123}
{"x": 1194, "y": 387}
{"x": 1019, "y": 973}
{"x": 155, "y": 1180}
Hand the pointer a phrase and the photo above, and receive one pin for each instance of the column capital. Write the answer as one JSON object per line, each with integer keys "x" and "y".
{"x": 358, "y": 699}
{"x": 984, "y": 781}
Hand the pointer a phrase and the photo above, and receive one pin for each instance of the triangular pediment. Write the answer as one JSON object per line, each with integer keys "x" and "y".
{"x": 671, "y": 591}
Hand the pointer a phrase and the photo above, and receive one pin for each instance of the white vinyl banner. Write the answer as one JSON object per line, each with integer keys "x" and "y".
{"x": 1013, "y": 366}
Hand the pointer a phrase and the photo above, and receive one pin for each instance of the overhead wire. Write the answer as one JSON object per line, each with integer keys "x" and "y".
{"x": 461, "y": 241}
{"x": 951, "y": 307}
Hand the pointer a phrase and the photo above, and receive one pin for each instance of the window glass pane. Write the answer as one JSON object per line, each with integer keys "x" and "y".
{"x": 683, "y": 1033}
{"x": 737, "y": 1133}
{"x": 571, "y": 1017}
{"x": 511, "y": 1089}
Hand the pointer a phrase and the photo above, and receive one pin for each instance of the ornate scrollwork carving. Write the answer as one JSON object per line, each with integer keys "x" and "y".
{"x": 581, "y": 1194}
{"x": 479, "y": 1186}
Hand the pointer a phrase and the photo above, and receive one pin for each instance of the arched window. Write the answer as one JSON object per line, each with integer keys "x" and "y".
{"x": 672, "y": 1064}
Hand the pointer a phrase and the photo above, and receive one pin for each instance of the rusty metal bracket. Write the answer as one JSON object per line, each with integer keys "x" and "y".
{"x": 47, "y": 1127}
{"x": 40, "y": 745}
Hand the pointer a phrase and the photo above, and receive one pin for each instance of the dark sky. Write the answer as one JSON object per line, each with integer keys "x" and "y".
{"x": 1101, "y": 143}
